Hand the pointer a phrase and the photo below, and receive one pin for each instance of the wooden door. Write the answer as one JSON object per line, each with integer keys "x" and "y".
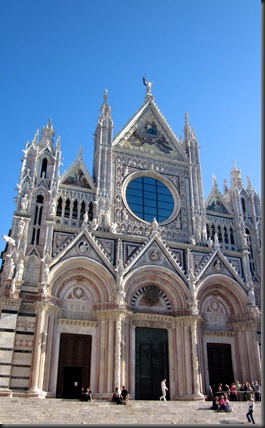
{"x": 74, "y": 364}
{"x": 219, "y": 364}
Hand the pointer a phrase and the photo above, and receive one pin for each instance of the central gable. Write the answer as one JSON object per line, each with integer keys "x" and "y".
{"x": 148, "y": 132}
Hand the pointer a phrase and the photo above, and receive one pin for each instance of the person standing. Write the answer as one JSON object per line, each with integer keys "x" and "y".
{"x": 164, "y": 390}
{"x": 257, "y": 390}
{"x": 251, "y": 406}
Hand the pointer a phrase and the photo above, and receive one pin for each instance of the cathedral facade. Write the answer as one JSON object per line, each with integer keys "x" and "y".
{"x": 128, "y": 276}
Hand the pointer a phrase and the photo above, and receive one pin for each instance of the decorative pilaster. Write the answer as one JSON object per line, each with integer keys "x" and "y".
{"x": 117, "y": 361}
{"x": 42, "y": 309}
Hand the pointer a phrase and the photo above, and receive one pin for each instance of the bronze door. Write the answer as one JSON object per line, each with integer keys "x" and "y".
{"x": 74, "y": 365}
{"x": 151, "y": 362}
{"x": 219, "y": 364}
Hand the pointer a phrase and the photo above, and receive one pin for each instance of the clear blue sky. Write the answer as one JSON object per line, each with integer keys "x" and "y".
{"x": 203, "y": 57}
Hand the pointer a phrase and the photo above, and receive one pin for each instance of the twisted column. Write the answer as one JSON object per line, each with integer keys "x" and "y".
{"x": 42, "y": 309}
{"x": 195, "y": 364}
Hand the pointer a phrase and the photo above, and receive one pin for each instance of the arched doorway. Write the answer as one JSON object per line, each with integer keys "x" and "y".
{"x": 151, "y": 362}
{"x": 74, "y": 365}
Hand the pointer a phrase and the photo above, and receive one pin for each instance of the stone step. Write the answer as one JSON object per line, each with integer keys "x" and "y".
{"x": 18, "y": 410}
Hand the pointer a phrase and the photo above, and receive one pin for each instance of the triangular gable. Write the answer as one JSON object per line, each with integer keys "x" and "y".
{"x": 86, "y": 245}
{"x": 155, "y": 252}
{"x": 216, "y": 204}
{"x": 149, "y": 132}
{"x": 77, "y": 176}
{"x": 217, "y": 263}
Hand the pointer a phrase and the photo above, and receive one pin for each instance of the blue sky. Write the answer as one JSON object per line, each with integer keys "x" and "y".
{"x": 203, "y": 57}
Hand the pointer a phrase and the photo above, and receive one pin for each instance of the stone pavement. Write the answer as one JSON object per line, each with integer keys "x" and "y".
{"x": 20, "y": 411}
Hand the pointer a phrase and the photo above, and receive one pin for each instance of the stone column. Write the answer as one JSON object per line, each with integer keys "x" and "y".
{"x": 36, "y": 365}
{"x": 197, "y": 395}
{"x": 117, "y": 359}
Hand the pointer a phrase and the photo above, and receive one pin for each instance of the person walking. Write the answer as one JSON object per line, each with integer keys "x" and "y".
{"x": 164, "y": 390}
{"x": 251, "y": 406}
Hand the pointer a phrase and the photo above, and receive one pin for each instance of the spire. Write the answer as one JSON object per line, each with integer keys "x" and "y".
{"x": 248, "y": 184}
{"x": 214, "y": 182}
{"x": 80, "y": 152}
{"x": 58, "y": 142}
{"x": 235, "y": 175}
{"x": 36, "y": 136}
{"x": 105, "y": 108}
{"x": 225, "y": 186}
{"x": 47, "y": 134}
{"x": 186, "y": 127}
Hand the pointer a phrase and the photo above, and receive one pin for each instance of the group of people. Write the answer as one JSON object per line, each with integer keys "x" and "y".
{"x": 120, "y": 397}
{"x": 222, "y": 404}
{"x": 248, "y": 391}
{"x": 86, "y": 394}
{"x": 240, "y": 391}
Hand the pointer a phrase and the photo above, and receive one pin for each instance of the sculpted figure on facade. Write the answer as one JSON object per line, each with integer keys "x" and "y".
{"x": 24, "y": 202}
{"x": 20, "y": 270}
{"x": 46, "y": 271}
{"x": 93, "y": 224}
{"x": 114, "y": 227}
{"x": 120, "y": 272}
{"x": 21, "y": 226}
{"x": 85, "y": 217}
{"x": 10, "y": 267}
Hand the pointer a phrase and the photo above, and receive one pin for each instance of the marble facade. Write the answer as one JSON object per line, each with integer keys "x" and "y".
{"x": 80, "y": 261}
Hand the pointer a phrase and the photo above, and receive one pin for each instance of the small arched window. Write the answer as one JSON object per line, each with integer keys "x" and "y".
{"x": 243, "y": 204}
{"x": 37, "y": 220}
{"x": 232, "y": 239}
{"x": 220, "y": 236}
{"x": 75, "y": 209}
{"x": 83, "y": 210}
{"x": 43, "y": 171}
{"x": 67, "y": 208}
{"x": 59, "y": 207}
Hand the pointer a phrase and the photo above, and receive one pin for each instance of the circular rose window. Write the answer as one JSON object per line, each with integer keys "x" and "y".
{"x": 149, "y": 198}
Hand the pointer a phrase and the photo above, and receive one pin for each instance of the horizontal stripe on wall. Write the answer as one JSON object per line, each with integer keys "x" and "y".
{"x": 24, "y": 314}
{"x": 29, "y": 333}
{"x": 9, "y": 311}
{"x": 21, "y": 365}
{"x": 20, "y": 388}
{"x": 19, "y": 377}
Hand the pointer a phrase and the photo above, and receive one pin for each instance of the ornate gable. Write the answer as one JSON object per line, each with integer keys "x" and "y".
{"x": 216, "y": 205}
{"x": 148, "y": 132}
{"x": 85, "y": 245}
{"x": 154, "y": 252}
{"x": 77, "y": 176}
